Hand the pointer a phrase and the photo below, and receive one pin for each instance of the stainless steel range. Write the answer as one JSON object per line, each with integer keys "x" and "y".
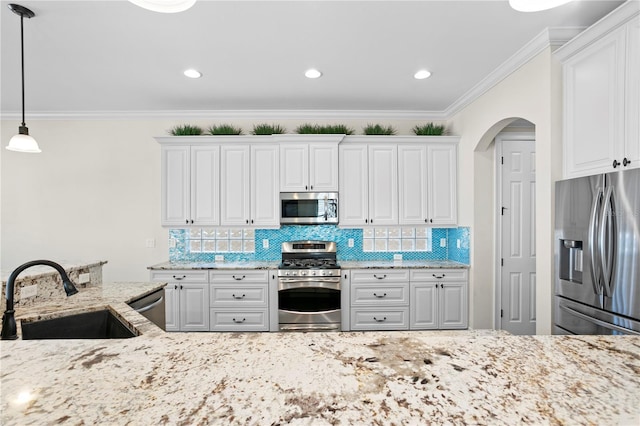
{"x": 309, "y": 287}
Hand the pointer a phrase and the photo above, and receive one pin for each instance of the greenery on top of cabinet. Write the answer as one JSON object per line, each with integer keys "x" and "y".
{"x": 267, "y": 129}
{"x": 335, "y": 129}
{"x": 376, "y": 129}
{"x": 185, "y": 130}
{"x": 429, "y": 129}
{"x": 224, "y": 129}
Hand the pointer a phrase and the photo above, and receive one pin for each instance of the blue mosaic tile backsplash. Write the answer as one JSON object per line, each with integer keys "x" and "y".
{"x": 181, "y": 252}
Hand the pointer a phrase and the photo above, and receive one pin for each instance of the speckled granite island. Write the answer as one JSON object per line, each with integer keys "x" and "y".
{"x": 452, "y": 377}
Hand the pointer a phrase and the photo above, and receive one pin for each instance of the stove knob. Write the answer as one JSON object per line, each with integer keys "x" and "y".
{"x": 313, "y": 272}
{"x": 303, "y": 273}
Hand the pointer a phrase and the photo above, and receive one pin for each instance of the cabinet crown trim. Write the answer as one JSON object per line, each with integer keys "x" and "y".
{"x": 247, "y": 139}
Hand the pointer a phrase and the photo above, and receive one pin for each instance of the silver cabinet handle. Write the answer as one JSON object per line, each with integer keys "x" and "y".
{"x": 239, "y": 321}
{"x": 379, "y": 320}
{"x": 239, "y": 278}
{"x": 179, "y": 278}
{"x": 380, "y": 277}
{"x": 380, "y": 296}
{"x": 439, "y": 277}
{"x": 238, "y": 297}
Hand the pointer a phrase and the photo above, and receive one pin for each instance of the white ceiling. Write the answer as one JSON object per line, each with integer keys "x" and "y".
{"x": 109, "y": 56}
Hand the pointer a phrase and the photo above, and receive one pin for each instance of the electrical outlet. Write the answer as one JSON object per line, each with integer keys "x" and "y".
{"x": 458, "y": 243}
{"x": 84, "y": 278}
{"x": 397, "y": 257}
{"x": 350, "y": 242}
{"x": 150, "y": 243}
{"x": 172, "y": 243}
{"x": 219, "y": 258}
{"x": 443, "y": 242}
{"x": 28, "y": 291}
{"x": 265, "y": 244}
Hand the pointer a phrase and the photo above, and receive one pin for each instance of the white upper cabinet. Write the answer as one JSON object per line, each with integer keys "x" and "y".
{"x": 249, "y": 185}
{"x": 190, "y": 185}
{"x": 368, "y": 184}
{"x": 412, "y": 184}
{"x": 601, "y": 95}
{"x": 442, "y": 171}
{"x": 309, "y": 166}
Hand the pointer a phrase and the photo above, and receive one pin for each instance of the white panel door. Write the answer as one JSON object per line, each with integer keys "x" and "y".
{"x": 235, "y": 163}
{"x": 453, "y": 305}
{"x": 194, "y": 307}
{"x": 294, "y": 170}
{"x": 593, "y": 106}
{"x": 518, "y": 245}
{"x": 205, "y": 185}
{"x": 354, "y": 185}
{"x": 175, "y": 186}
{"x": 423, "y": 313}
{"x": 172, "y": 307}
{"x": 412, "y": 184}
{"x": 323, "y": 167}
{"x": 265, "y": 208}
{"x": 631, "y": 149}
{"x": 383, "y": 185}
{"x": 442, "y": 173}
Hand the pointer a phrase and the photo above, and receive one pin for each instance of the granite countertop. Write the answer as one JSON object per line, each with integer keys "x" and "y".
{"x": 113, "y": 296}
{"x": 322, "y": 379}
{"x": 42, "y": 270}
{"x": 344, "y": 264}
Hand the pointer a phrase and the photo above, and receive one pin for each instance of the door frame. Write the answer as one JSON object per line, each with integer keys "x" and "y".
{"x": 497, "y": 221}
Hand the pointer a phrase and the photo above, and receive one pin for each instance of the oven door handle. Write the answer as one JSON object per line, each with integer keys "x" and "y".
{"x": 328, "y": 283}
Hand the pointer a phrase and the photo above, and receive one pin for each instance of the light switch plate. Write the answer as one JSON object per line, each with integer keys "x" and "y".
{"x": 150, "y": 243}
{"x": 350, "y": 242}
{"x": 443, "y": 242}
{"x": 219, "y": 258}
{"x": 265, "y": 244}
{"x": 84, "y": 278}
{"x": 397, "y": 257}
{"x": 172, "y": 243}
{"x": 28, "y": 291}
{"x": 458, "y": 243}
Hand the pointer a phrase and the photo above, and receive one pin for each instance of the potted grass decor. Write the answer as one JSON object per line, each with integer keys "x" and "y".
{"x": 429, "y": 129}
{"x": 267, "y": 129}
{"x": 224, "y": 129}
{"x": 185, "y": 130}
{"x": 335, "y": 129}
{"x": 376, "y": 129}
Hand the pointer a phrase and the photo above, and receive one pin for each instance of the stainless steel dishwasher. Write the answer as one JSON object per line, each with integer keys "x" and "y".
{"x": 152, "y": 307}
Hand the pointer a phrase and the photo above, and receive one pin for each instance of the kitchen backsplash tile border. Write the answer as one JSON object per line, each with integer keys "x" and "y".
{"x": 267, "y": 244}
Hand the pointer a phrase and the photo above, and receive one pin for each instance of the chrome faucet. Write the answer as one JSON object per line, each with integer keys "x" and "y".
{"x": 9, "y": 331}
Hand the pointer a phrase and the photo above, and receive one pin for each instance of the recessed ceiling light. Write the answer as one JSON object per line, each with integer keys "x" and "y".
{"x": 421, "y": 75}
{"x": 165, "y": 6}
{"x": 191, "y": 73}
{"x": 312, "y": 73}
{"x": 536, "y": 5}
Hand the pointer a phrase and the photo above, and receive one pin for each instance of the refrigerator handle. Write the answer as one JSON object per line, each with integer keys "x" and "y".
{"x": 593, "y": 241}
{"x": 606, "y": 240}
{"x": 598, "y": 321}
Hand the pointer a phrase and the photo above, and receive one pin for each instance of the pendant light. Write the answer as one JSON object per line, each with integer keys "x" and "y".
{"x": 22, "y": 142}
{"x": 164, "y": 6}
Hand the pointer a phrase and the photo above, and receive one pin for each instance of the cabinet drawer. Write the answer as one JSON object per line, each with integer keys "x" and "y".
{"x": 183, "y": 276}
{"x": 380, "y": 319}
{"x": 379, "y": 275}
{"x": 380, "y": 294}
{"x": 239, "y": 320}
{"x": 231, "y": 296}
{"x": 439, "y": 275}
{"x": 239, "y": 276}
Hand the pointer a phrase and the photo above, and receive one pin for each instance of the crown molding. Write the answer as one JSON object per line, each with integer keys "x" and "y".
{"x": 231, "y": 115}
{"x": 549, "y": 37}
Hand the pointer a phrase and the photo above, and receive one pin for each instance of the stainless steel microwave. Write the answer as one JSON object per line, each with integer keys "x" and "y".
{"x": 308, "y": 208}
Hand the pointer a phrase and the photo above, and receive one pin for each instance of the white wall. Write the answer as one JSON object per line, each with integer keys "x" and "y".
{"x": 533, "y": 93}
{"x": 94, "y": 192}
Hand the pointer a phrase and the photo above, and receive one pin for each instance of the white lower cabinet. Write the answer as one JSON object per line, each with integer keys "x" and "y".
{"x": 239, "y": 300}
{"x": 379, "y": 299}
{"x": 186, "y": 299}
{"x": 438, "y": 299}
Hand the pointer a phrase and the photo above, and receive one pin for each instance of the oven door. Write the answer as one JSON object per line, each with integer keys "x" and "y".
{"x": 309, "y": 304}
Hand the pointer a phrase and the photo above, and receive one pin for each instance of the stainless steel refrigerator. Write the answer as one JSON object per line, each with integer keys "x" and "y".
{"x": 597, "y": 254}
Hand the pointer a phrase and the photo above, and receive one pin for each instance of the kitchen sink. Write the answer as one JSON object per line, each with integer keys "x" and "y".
{"x": 88, "y": 325}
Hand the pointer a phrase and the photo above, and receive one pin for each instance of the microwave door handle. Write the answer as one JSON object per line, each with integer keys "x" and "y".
{"x": 606, "y": 240}
{"x": 593, "y": 241}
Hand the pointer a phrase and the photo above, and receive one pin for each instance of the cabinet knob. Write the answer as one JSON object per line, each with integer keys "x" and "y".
{"x": 615, "y": 163}
{"x": 247, "y": 221}
{"x": 431, "y": 220}
{"x": 311, "y": 187}
{"x": 252, "y": 221}
{"x": 370, "y": 220}
{"x": 379, "y": 320}
{"x": 366, "y": 221}
{"x": 306, "y": 187}
{"x": 186, "y": 221}
{"x": 175, "y": 287}
{"x": 626, "y": 162}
